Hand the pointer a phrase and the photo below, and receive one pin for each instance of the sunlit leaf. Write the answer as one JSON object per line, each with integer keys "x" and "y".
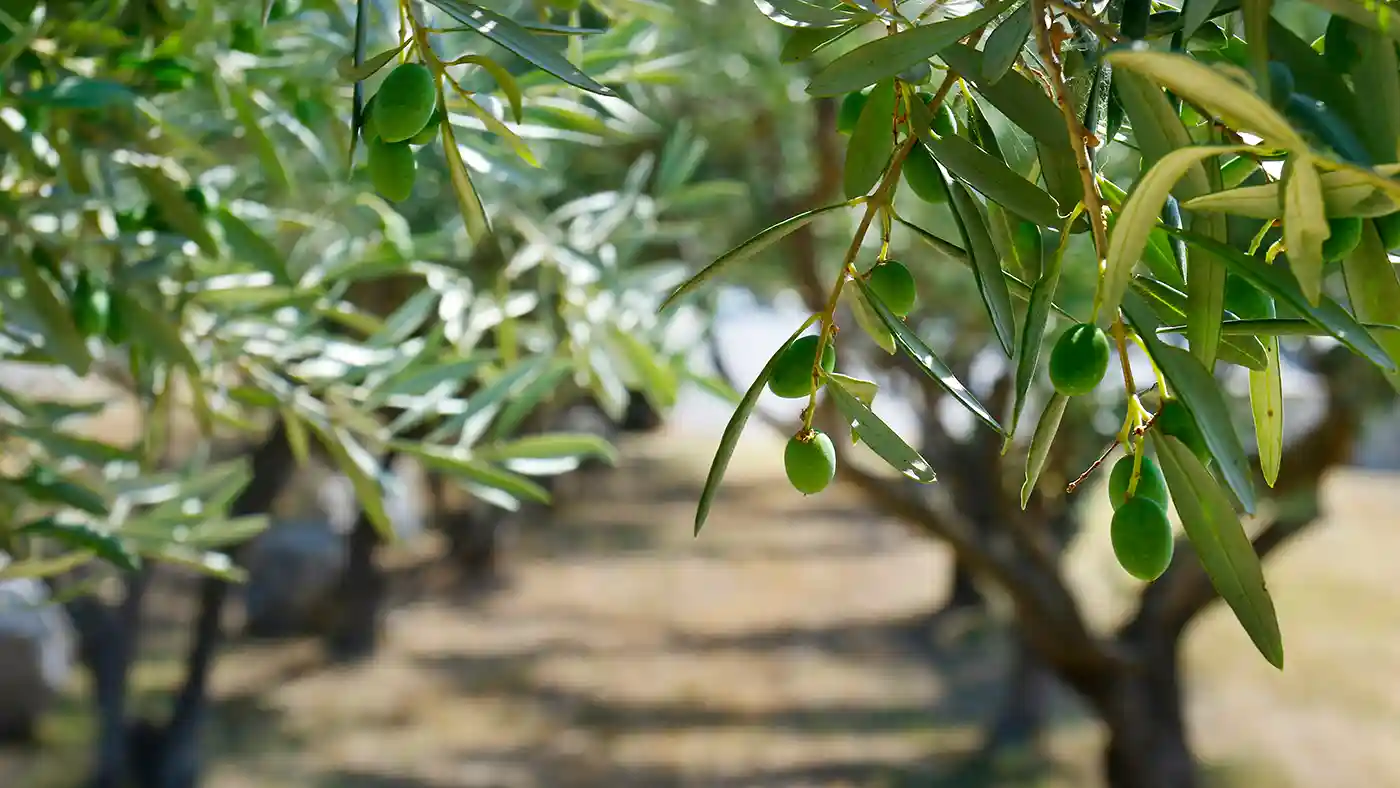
{"x": 1221, "y": 543}
{"x": 1042, "y": 440}
{"x": 877, "y": 435}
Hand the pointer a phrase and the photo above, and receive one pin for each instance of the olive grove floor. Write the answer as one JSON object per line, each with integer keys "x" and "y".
{"x": 784, "y": 647}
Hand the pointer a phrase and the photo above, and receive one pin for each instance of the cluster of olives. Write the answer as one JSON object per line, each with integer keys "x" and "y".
{"x": 810, "y": 457}
{"x": 403, "y": 113}
{"x": 1141, "y": 534}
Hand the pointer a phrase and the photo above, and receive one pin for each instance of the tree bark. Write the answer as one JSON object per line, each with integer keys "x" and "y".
{"x": 359, "y": 599}
{"x": 1141, "y": 705}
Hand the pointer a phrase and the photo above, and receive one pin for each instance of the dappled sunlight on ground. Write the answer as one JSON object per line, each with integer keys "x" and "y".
{"x": 787, "y": 646}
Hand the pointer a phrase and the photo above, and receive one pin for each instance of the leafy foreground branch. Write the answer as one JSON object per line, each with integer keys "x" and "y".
{"x": 1261, "y": 259}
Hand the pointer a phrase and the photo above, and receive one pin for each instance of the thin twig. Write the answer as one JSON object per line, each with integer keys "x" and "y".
{"x": 1100, "y": 28}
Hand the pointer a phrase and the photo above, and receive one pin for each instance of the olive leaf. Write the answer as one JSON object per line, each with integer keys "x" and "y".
{"x": 1041, "y": 442}
{"x": 1304, "y": 223}
{"x": 876, "y": 434}
{"x": 1221, "y": 544}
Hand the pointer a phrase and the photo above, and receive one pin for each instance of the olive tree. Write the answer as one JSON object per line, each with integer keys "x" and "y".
{"x": 189, "y": 211}
{"x": 1207, "y": 173}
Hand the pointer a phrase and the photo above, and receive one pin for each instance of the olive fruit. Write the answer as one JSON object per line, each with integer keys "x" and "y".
{"x": 429, "y": 132}
{"x": 405, "y": 101}
{"x": 1247, "y": 301}
{"x": 924, "y": 179}
{"x": 851, "y": 107}
{"x": 368, "y": 131}
{"x": 1079, "y": 360}
{"x": 1346, "y": 234}
{"x": 810, "y": 461}
{"x": 89, "y": 306}
{"x": 1142, "y": 538}
{"x": 1175, "y": 420}
{"x": 1151, "y": 483}
{"x": 792, "y": 375}
{"x": 392, "y": 169}
{"x": 1389, "y": 228}
{"x": 894, "y": 285}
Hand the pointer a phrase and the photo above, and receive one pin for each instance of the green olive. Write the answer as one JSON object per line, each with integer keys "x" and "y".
{"x": 405, "y": 102}
{"x": 810, "y": 462}
{"x": 1079, "y": 360}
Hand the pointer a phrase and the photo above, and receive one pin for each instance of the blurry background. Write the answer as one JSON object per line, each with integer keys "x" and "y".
{"x": 822, "y": 641}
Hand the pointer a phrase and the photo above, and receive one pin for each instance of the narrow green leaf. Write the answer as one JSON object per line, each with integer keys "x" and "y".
{"x": 1256, "y": 32}
{"x": 1005, "y": 43}
{"x": 868, "y": 321}
{"x": 61, "y": 337}
{"x": 927, "y": 360}
{"x": 468, "y": 202}
{"x": 1376, "y": 75}
{"x": 1305, "y": 226}
{"x": 1194, "y": 14}
{"x": 506, "y": 33}
{"x": 175, "y": 207}
{"x": 748, "y": 249}
{"x": 551, "y": 446}
{"x": 1170, "y": 305}
{"x": 1279, "y": 283}
{"x": 876, "y": 434}
{"x": 1197, "y": 389}
{"x": 989, "y": 175}
{"x": 1019, "y": 98}
{"x": 44, "y": 567}
{"x": 1344, "y": 193}
{"x": 735, "y": 428}
{"x": 1382, "y": 17}
{"x": 1139, "y": 216}
{"x": 888, "y": 55}
{"x": 801, "y": 13}
{"x": 44, "y": 485}
{"x": 349, "y": 72}
{"x": 503, "y": 79}
{"x": 364, "y": 471}
{"x": 1194, "y": 81}
{"x": 1033, "y": 327}
{"x": 986, "y": 265}
{"x": 1374, "y": 291}
{"x": 803, "y": 42}
{"x": 205, "y": 562}
{"x": 1284, "y": 327}
{"x": 1221, "y": 543}
{"x": 84, "y": 537}
{"x": 863, "y": 390}
{"x": 268, "y": 155}
{"x": 871, "y": 142}
{"x": 247, "y": 244}
{"x": 1266, "y": 403}
{"x": 1041, "y": 441}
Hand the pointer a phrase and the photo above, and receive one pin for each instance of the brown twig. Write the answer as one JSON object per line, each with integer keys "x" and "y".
{"x": 1079, "y": 15}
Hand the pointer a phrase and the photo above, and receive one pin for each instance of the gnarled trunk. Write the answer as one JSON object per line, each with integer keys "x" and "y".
{"x": 360, "y": 596}
{"x": 1142, "y": 706}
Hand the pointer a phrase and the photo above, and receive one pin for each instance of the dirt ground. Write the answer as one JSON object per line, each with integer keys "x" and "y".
{"x": 786, "y": 647}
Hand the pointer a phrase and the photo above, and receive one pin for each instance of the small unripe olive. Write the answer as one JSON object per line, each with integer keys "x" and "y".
{"x": 1142, "y": 538}
{"x": 368, "y": 131}
{"x": 924, "y": 179}
{"x": 1346, "y": 234}
{"x": 1175, "y": 420}
{"x": 429, "y": 132}
{"x": 392, "y": 169}
{"x": 851, "y": 107}
{"x": 810, "y": 463}
{"x": 405, "y": 101}
{"x": 792, "y": 375}
{"x": 1079, "y": 360}
{"x": 1151, "y": 484}
{"x": 892, "y": 283}
{"x": 1389, "y": 228}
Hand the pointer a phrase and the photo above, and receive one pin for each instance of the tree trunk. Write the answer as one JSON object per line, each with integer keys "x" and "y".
{"x": 1023, "y": 711}
{"x": 1147, "y": 746}
{"x": 359, "y": 599}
